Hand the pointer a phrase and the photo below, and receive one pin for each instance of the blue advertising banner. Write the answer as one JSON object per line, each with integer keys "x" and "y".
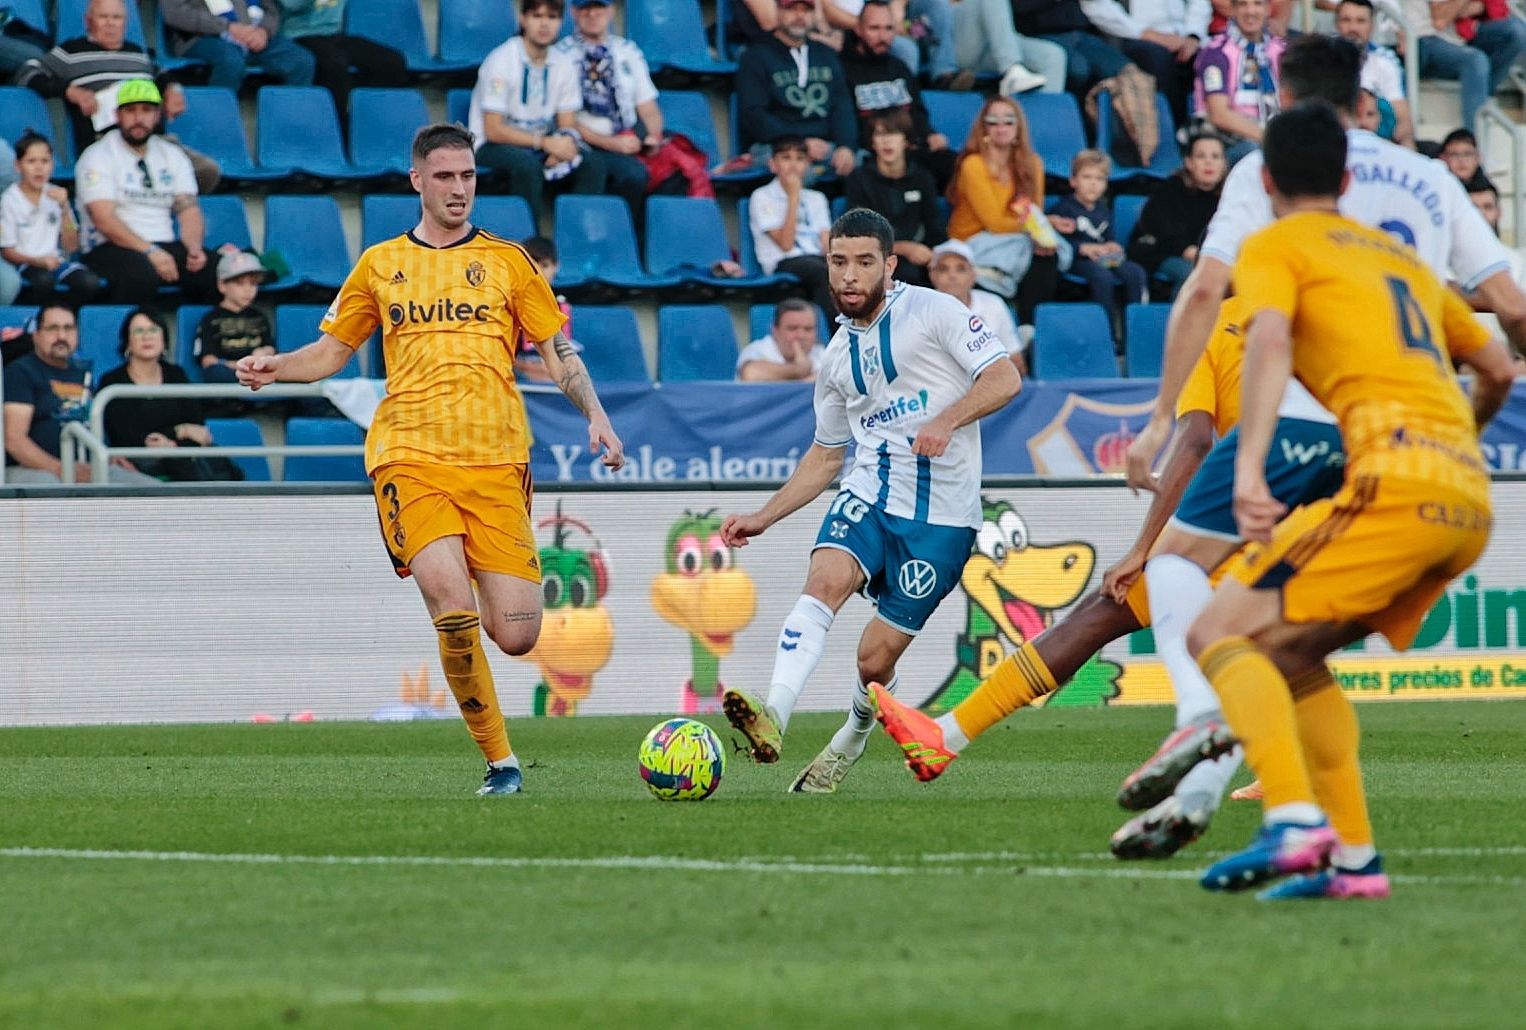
{"x": 714, "y": 432}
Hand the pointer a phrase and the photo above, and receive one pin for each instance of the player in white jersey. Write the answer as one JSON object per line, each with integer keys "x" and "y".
{"x": 905, "y": 379}
{"x": 1414, "y": 198}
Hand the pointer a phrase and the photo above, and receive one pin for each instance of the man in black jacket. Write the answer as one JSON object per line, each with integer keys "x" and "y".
{"x": 880, "y": 83}
{"x": 790, "y": 85}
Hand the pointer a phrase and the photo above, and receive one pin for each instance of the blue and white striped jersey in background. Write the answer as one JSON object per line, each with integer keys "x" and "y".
{"x": 880, "y": 383}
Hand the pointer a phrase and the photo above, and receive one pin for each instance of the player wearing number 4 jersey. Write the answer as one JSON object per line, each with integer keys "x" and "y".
{"x": 448, "y": 447}
{"x": 905, "y": 378}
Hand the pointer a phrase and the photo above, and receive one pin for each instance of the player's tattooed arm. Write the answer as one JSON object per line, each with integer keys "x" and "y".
{"x": 571, "y": 377}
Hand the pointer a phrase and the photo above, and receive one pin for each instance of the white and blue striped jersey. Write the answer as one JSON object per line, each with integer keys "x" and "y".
{"x": 1414, "y": 198}
{"x": 878, "y": 384}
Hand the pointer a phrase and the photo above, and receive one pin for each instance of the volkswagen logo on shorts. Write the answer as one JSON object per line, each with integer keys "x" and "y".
{"x": 395, "y": 312}
{"x": 917, "y": 578}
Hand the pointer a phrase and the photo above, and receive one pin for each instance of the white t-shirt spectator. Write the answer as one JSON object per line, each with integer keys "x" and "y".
{"x": 528, "y": 98}
{"x": 768, "y": 350}
{"x": 767, "y": 209}
{"x": 993, "y": 311}
{"x": 30, "y": 228}
{"x": 144, "y": 188}
{"x": 1382, "y": 75}
{"x": 632, "y": 81}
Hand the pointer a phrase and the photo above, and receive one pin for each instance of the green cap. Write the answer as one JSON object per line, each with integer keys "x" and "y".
{"x": 138, "y": 91}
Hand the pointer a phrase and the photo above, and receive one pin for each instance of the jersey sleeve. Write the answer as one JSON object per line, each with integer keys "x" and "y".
{"x": 1266, "y": 275}
{"x": 1213, "y": 71}
{"x": 535, "y": 306}
{"x": 10, "y": 228}
{"x": 182, "y": 174}
{"x": 766, "y": 210}
{"x": 832, "y": 428}
{"x": 964, "y": 335}
{"x": 1464, "y": 334}
{"x": 1243, "y": 208}
{"x": 1198, "y": 393}
{"x": 1476, "y": 252}
{"x": 494, "y": 82}
{"x": 93, "y": 180}
{"x": 353, "y": 316}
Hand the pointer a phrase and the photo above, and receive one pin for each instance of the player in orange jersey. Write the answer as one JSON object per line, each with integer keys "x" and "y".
{"x": 448, "y": 449}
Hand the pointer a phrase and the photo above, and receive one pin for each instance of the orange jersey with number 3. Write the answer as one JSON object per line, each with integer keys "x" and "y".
{"x": 450, "y": 317}
{"x": 1374, "y": 334}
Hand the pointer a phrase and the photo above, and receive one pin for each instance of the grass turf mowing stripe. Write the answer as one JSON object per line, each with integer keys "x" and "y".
{"x": 676, "y": 863}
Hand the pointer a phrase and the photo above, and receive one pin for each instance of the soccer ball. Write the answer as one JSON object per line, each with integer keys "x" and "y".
{"x": 681, "y": 760}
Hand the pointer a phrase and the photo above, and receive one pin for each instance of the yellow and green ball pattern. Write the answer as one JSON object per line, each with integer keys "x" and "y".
{"x": 681, "y": 760}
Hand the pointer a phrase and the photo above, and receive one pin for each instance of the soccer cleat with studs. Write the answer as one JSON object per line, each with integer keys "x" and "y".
{"x": 507, "y": 780}
{"x": 755, "y": 722}
{"x": 918, "y": 736}
{"x": 822, "y": 776}
{"x": 1368, "y": 883}
{"x": 1280, "y": 849}
{"x": 1165, "y": 829}
{"x": 1198, "y": 741}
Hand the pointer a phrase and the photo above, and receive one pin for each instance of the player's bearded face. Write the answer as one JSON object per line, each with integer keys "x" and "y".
{"x": 447, "y": 185}
{"x": 858, "y": 275}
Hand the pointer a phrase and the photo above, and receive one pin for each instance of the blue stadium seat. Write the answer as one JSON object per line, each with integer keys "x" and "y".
{"x": 1144, "y": 334}
{"x": 1073, "y": 341}
{"x": 297, "y": 326}
{"x": 163, "y": 54}
{"x": 382, "y": 124}
{"x": 686, "y": 236}
{"x": 1167, "y": 158}
{"x": 1054, "y": 123}
{"x": 34, "y": 14}
{"x": 596, "y": 241}
{"x": 688, "y": 112}
{"x": 385, "y": 215}
{"x": 71, "y": 22}
{"x": 308, "y": 233}
{"x": 213, "y": 125}
{"x": 307, "y": 432}
{"x": 953, "y": 112}
{"x": 242, "y": 432}
{"x": 469, "y": 29}
{"x": 458, "y": 105}
{"x": 611, "y": 343}
{"x": 671, "y": 33}
{"x": 695, "y": 342}
{"x": 186, "y": 320}
{"x": 21, "y": 109}
{"x": 507, "y": 216}
{"x": 1126, "y": 210}
{"x": 400, "y": 25}
{"x": 226, "y": 221}
{"x": 100, "y": 328}
{"x": 760, "y": 321}
{"x": 298, "y": 128}
{"x": 15, "y": 316}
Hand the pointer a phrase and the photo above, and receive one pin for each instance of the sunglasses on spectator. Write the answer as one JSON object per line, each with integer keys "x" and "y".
{"x": 148, "y": 179}
{"x": 145, "y": 330}
{"x": 992, "y": 119}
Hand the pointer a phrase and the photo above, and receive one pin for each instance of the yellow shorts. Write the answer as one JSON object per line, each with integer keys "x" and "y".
{"x": 488, "y": 506}
{"x": 1380, "y": 552}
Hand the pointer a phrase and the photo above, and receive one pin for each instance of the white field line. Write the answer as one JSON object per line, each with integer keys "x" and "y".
{"x": 679, "y": 864}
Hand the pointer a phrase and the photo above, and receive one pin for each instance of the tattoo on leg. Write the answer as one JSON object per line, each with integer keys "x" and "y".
{"x": 520, "y": 616}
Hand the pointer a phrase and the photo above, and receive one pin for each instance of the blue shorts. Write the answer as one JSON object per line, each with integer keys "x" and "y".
{"x": 909, "y": 566}
{"x": 1306, "y": 462}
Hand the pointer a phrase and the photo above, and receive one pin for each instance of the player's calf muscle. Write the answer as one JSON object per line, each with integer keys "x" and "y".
{"x": 1093, "y": 624}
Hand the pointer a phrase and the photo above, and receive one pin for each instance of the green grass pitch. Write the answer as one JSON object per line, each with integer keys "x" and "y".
{"x": 985, "y": 899}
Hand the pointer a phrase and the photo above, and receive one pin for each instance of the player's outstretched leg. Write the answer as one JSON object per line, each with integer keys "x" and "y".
{"x": 920, "y": 737}
{"x": 831, "y": 765}
{"x": 757, "y": 722}
{"x": 471, "y": 682}
{"x": 801, "y": 641}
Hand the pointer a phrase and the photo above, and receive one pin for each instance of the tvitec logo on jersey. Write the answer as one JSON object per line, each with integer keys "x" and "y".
{"x": 442, "y": 310}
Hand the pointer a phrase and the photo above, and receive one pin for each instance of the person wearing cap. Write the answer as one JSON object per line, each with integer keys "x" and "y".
{"x": 231, "y": 34}
{"x": 131, "y": 187}
{"x": 953, "y": 272}
{"x": 792, "y": 86}
{"x": 235, "y": 328}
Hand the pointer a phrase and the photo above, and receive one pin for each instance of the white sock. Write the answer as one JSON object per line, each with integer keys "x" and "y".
{"x": 1354, "y": 856}
{"x": 801, "y": 642}
{"x": 1179, "y": 591}
{"x": 1210, "y": 778}
{"x": 1302, "y": 813}
{"x": 853, "y": 737}
{"x": 953, "y": 734}
{"x": 511, "y": 762}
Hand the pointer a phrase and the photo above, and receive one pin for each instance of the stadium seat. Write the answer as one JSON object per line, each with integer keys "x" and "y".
{"x": 34, "y": 13}
{"x": 760, "y": 322}
{"x": 297, "y": 128}
{"x": 695, "y": 342}
{"x": 164, "y": 54}
{"x": 400, "y": 25}
{"x": 16, "y": 316}
{"x": 21, "y": 109}
{"x": 308, "y": 432}
{"x": 1126, "y": 210}
{"x": 596, "y": 241}
{"x": 611, "y": 343}
{"x": 242, "y": 432}
{"x": 1167, "y": 158}
{"x": 689, "y": 113}
{"x": 1054, "y": 123}
{"x": 297, "y": 326}
{"x": 382, "y": 124}
{"x": 469, "y": 29}
{"x": 186, "y": 320}
{"x": 226, "y": 221}
{"x": 100, "y": 329}
{"x": 385, "y": 215}
{"x": 506, "y": 216}
{"x": 71, "y": 22}
{"x": 308, "y": 234}
{"x": 458, "y": 105}
{"x": 213, "y": 125}
{"x": 1144, "y": 335}
{"x": 686, "y": 236}
{"x": 671, "y": 33}
{"x": 1073, "y": 341}
{"x": 953, "y": 113}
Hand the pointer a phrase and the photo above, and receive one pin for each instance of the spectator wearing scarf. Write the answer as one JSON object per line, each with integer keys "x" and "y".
{"x": 1237, "y": 75}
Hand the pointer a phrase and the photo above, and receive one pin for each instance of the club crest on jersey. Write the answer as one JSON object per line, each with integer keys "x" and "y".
{"x": 475, "y": 273}
{"x": 870, "y": 358}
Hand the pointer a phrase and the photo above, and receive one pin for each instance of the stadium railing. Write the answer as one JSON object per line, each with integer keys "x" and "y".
{"x": 90, "y": 436}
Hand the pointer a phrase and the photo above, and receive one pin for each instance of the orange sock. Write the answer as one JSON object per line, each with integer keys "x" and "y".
{"x": 1327, "y": 729}
{"x": 1019, "y": 679}
{"x": 471, "y": 681}
{"x": 1260, "y": 710}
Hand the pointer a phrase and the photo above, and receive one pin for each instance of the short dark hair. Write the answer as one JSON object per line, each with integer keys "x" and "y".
{"x": 789, "y": 304}
{"x": 789, "y": 142}
{"x": 1326, "y": 68}
{"x": 1200, "y": 136}
{"x": 30, "y": 138}
{"x": 541, "y": 249}
{"x": 439, "y": 136}
{"x": 531, "y": 6}
{"x": 1357, "y": 3}
{"x": 1455, "y": 136}
{"x": 1305, "y": 151}
{"x": 38, "y": 318}
{"x": 892, "y": 119}
{"x": 873, "y": 3}
{"x": 124, "y": 332}
{"x": 863, "y": 222}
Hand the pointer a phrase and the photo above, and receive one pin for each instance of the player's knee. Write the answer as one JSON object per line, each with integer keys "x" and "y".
{"x": 515, "y": 638}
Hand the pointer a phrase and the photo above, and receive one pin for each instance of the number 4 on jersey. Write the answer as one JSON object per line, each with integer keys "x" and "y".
{"x": 1412, "y": 322}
